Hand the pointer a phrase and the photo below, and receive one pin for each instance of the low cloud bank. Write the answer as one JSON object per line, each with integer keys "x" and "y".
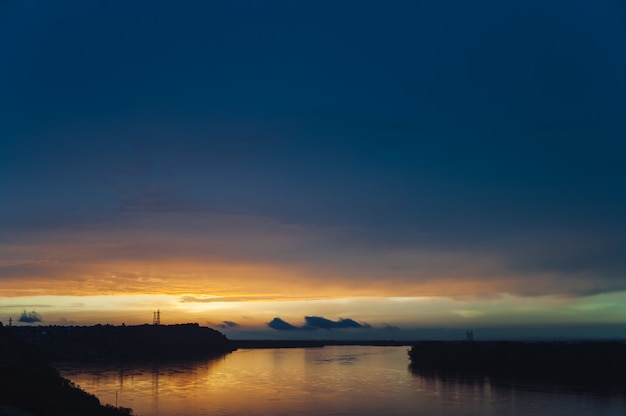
{"x": 323, "y": 323}
{"x": 316, "y": 322}
{"x": 228, "y": 325}
{"x": 30, "y": 317}
{"x": 281, "y": 325}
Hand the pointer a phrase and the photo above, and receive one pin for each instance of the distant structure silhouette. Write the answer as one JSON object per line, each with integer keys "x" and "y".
{"x": 11, "y": 321}
{"x": 156, "y": 317}
{"x": 469, "y": 336}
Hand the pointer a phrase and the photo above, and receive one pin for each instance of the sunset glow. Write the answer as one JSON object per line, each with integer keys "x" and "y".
{"x": 229, "y": 165}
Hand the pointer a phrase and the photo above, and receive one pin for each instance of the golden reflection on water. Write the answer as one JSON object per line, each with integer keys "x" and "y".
{"x": 315, "y": 381}
{"x": 261, "y": 382}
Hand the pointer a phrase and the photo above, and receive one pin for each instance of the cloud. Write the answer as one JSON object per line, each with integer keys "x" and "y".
{"x": 228, "y": 325}
{"x": 316, "y": 322}
{"x": 30, "y": 305}
{"x": 323, "y": 323}
{"x": 211, "y": 299}
{"x": 280, "y": 325}
{"x": 390, "y": 327}
{"x": 265, "y": 256}
{"x": 30, "y": 317}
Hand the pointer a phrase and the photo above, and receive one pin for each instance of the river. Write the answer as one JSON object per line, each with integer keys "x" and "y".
{"x": 335, "y": 380}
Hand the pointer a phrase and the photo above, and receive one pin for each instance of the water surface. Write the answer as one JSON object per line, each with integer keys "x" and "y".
{"x": 338, "y": 380}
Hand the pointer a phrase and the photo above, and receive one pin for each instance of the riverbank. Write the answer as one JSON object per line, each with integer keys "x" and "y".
{"x": 136, "y": 342}
{"x": 583, "y": 362}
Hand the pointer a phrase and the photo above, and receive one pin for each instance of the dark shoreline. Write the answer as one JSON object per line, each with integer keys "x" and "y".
{"x": 584, "y": 363}
{"x": 133, "y": 342}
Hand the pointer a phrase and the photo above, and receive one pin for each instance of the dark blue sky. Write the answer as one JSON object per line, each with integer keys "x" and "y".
{"x": 485, "y": 129}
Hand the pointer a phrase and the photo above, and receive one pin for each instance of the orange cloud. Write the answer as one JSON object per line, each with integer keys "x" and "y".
{"x": 249, "y": 259}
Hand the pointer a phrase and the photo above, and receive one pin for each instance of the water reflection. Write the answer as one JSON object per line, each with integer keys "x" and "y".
{"x": 142, "y": 386}
{"x": 320, "y": 381}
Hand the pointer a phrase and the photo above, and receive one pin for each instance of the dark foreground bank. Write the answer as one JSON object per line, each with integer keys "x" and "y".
{"x": 582, "y": 362}
{"x": 29, "y": 386}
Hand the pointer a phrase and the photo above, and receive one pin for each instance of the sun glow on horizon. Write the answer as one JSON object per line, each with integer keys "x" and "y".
{"x": 379, "y": 312}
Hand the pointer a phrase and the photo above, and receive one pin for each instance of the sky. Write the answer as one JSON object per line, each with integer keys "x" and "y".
{"x": 315, "y": 169}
